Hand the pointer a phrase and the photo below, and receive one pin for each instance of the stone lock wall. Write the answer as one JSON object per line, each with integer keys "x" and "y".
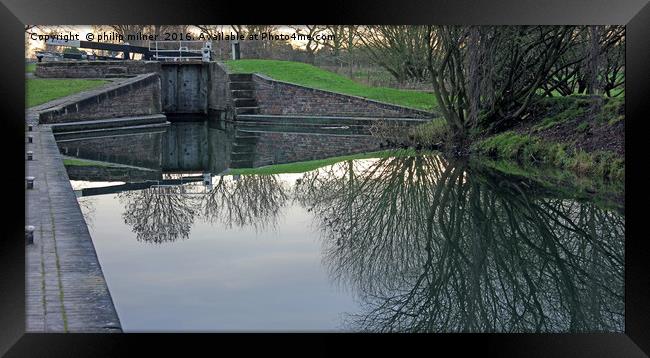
{"x": 135, "y": 96}
{"x": 218, "y": 93}
{"x": 278, "y": 98}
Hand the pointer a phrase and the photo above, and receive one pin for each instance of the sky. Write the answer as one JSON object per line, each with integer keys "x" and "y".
{"x": 83, "y": 30}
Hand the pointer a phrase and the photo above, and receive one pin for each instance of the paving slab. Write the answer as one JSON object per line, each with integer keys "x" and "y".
{"x": 65, "y": 288}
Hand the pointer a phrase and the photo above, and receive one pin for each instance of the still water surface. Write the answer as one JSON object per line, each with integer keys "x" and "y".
{"x": 409, "y": 243}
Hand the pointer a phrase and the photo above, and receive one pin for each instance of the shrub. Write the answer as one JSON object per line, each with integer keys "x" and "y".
{"x": 434, "y": 132}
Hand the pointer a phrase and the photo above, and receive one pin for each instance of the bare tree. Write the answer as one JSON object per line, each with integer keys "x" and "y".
{"x": 401, "y": 50}
{"x": 570, "y": 74}
{"x": 312, "y": 43}
{"x": 513, "y": 65}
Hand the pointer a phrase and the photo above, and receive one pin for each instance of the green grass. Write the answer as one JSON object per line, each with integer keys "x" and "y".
{"x": 41, "y": 90}
{"x": 564, "y": 183}
{"x": 613, "y": 111}
{"x": 301, "y": 167}
{"x": 582, "y": 127}
{"x": 30, "y": 68}
{"x": 571, "y": 108}
{"x": 311, "y": 76}
{"x": 526, "y": 148}
{"x": 84, "y": 163}
{"x": 562, "y": 109}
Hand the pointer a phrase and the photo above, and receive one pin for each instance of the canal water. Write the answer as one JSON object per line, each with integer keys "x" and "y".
{"x": 391, "y": 241}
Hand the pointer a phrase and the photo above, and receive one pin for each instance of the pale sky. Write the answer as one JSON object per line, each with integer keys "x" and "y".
{"x": 83, "y": 30}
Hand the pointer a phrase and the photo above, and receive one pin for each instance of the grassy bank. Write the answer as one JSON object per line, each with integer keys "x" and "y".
{"x": 41, "y": 90}
{"x": 579, "y": 133}
{"x": 527, "y": 148}
{"x": 30, "y": 68}
{"x": 85, "y": 163}
{"x": 311, "y": 76}
{"x": 301, "y": 167}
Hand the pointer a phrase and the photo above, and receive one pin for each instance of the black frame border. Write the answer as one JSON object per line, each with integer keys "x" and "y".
{"x": 635, "y": 14}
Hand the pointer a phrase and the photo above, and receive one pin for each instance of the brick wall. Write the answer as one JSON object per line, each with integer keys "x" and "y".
{"x": 94, "y": 69}
{"x": 132, "y": 97}
{"x": 277, "y": 97}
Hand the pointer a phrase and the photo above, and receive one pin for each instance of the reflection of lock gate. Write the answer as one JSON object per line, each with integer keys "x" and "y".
{"x": 180, "y": 50}
{"x": 206, "y": 185}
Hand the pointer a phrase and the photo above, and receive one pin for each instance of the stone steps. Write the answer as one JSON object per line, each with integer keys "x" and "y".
{"x": 242, "y": 94}
{"x": 243, "y": 157}
{"x": 244, "y": 102}
{"x": 236, "y": 86}
{"x": 243, "y": 149}
{"x": 250, "y": 140}
{"x": 246, "y": 110}
{"x": 240, "y": 77}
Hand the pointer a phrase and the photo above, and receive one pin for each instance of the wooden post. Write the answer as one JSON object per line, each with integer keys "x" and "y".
{"x": 236, "y": 55}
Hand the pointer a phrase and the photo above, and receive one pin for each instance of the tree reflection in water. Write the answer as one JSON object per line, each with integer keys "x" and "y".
{"x": 166, "y": 213}
{"x": 253, "y": 200}
{"x": 159, "y": 214}
{"x": 429, "y": 246}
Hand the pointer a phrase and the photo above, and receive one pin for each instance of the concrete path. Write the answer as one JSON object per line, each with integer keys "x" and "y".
{"x": 65, "y": 287}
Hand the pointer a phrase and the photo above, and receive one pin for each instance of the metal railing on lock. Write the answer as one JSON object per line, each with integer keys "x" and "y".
{"x": 179, "y": 50}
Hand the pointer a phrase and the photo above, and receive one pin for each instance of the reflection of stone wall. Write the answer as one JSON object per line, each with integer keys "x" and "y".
{"x": 99, "y": 173}
{"x": 277, "y": 97}
{"x": 132, "y": 97}
{"x": 94, "y": 69}
{"x": 141, "y": 150}
{"x": 279, "y": 148}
